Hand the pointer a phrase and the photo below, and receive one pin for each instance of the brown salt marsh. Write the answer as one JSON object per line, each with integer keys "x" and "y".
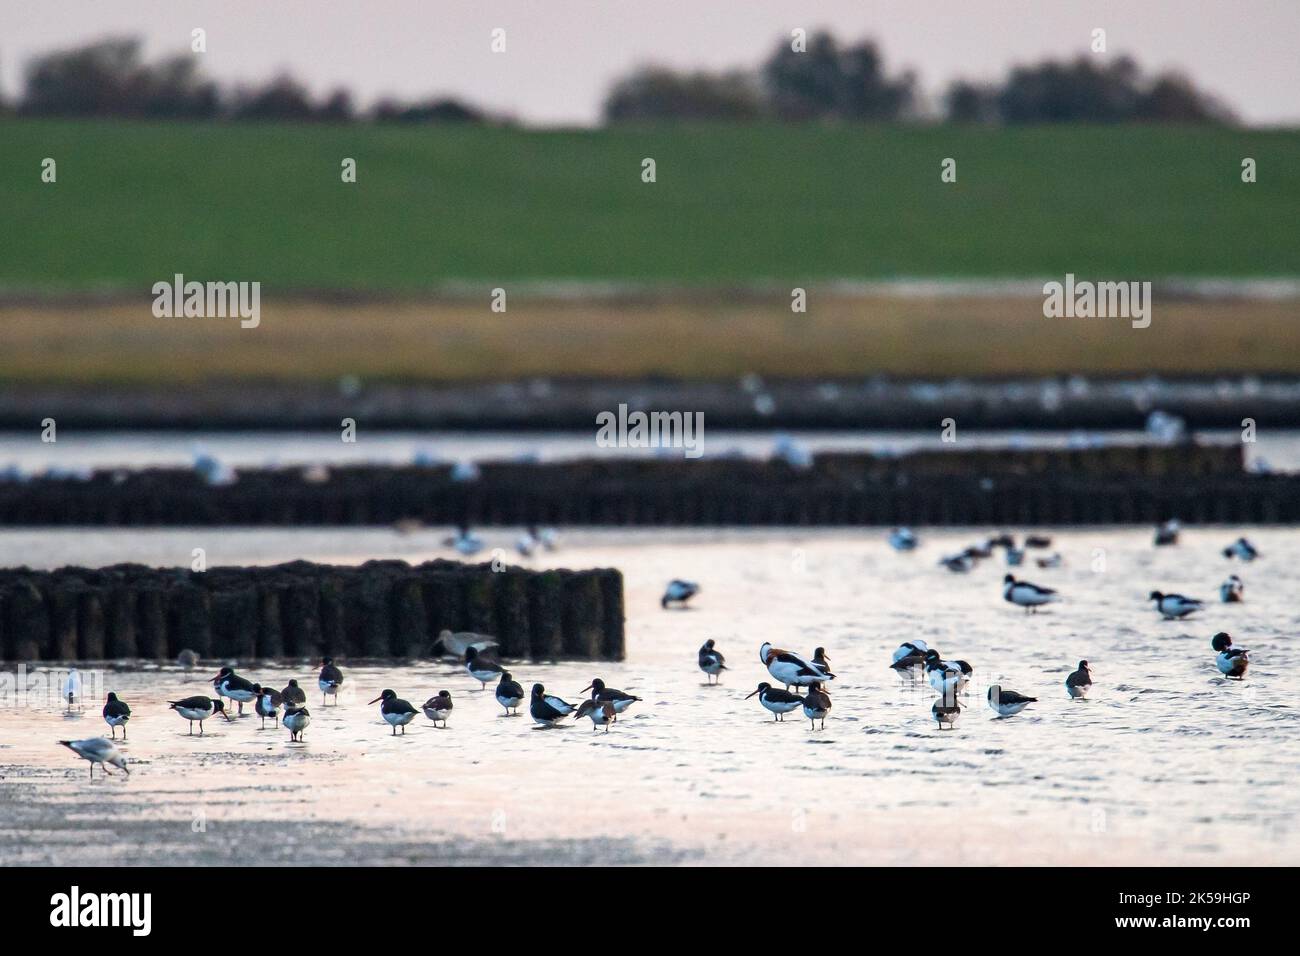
{"x": 1167, "y": 764}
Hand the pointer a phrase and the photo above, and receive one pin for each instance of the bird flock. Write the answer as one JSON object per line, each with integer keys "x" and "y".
{"x": 912, "y": 660}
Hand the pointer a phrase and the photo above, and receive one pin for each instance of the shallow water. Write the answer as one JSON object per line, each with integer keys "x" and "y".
{"x": 1280, "y": 449}
{"x": 1168, "y": 763}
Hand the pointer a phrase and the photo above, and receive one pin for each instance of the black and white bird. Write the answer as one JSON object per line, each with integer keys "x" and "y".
{"x": 1241, "y": 548}
{"x": 296, "y": 720}
{"x": 1007, "y": 703}
{"x": 198, "y": 708}
{"x": 481, "y": 666}
{"x": 116, "y": 714}
{"x": 601, "y": 713}
{"x": 1038, "y": 541}
{"x": 1232, "y": 591}
{"x": 1174, "y": 605}
{"x": 778, "y": 702}
{"x": 816, "y": 704}
{"x": 1079, "y": 683}
{"x": 903, "y": 539}
{"x": 1026, "y": 595}
{"x": 947, "y": 677}
{"x": 233, "y": 687}
{"x": 620, "y": 699}
{"x": 98, "y": 750}
{"x": 395, "y": 711}
{"x": 267, "y": 704}
{"x": 946, "y": 710}
{"x": 330, "y": 680}
{"x": 1167, "y": 533}
{"x": 909, "y": 658}
{"x": 547, "y": 709}
{"x": 791, "y": 669}
{"x": 1232, "y": 661}
{"x": 509, "y": 694}
{"x": 293, "y": 694}
{"x": 679, "y": 592}
{"x": 438, "y": 708}
{"x": 958, "y": 563}
{"x": 711, "y": 661}
{"x": 1053, "y": 560}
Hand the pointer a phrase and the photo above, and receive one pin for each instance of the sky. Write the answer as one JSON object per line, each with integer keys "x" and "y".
{"x": 562, "y": 55}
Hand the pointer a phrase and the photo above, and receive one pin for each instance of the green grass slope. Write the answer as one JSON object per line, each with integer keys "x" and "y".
{"x": 135, "y": 203}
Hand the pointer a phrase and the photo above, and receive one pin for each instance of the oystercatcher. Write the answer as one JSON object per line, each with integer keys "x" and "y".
{"x": 267, "y": 704}
{"x": 1232, "y": 661}
{"x": 198, "y": 708}
{"x": 293, "y": 694}
{"x": 438, "y": 708}
{"x": 1232, "y": 591}
{"x": 547, "y": 709}
{"x": 116, "y": 714}
{"x": 233, "y": 687}
{"x": 97, "y": 750}
{"x": 481, "y": 666}
{"x": 1241, "y": 548}
{"x": 620, "y": 699}
{"x": 509, "y": 694}
{"x": 1079, "y": 683}
{"x": 296, "y": 719}
{"x": 601, "y": 713}
{"x": 679, "y": 592}
{"x": 1026, "y": 595}
{"x": 816, "y": 704}
{"x": 902, "y": 539}
{"x": 1174, "y": 605}
{"x": 778, "y": 702}
{"x": 396, "y": 711}
{"x": 330, "y": 680}
{"x": 711, "y": 661}
{"x": 1007, "y": 703}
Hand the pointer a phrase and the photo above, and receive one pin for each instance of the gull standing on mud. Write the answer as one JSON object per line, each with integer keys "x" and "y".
{"x": 1173, "y": 606}
{"x": 679, "y": 592}
{"x": 198, "y": 708}
{"x": 547, "y": 709}
{"x": 1007, "y": 703}
{"x": 778, "y": 702}
{"x": 116, "y": 714}
{"x": 791, "y": 669}
{"x": 1026, "y": 595}
{"x": 1079, "y": 683}
{"x": 330, "y": 680}
{"x": 394, "y": 710}
{"x": 438, "y": 708}
{"x": 98, "y": 750}
{"x": 509, "y": 694}
{"x": 72, "y": 687}
{"x": 711, "y": 661}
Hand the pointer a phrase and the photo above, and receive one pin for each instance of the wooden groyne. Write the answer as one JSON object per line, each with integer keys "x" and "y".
{"x": 381, "y": 609}
{"x": 1110, "y": 485}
